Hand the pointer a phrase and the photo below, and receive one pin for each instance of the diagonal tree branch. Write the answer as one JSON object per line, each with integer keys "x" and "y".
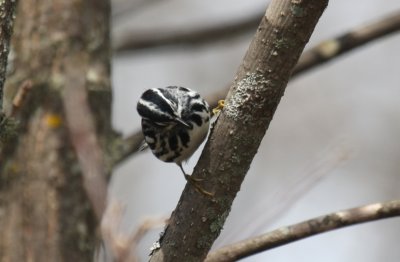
{"x": 309, "y": 60}
{"x": 237, "y": 134}
{"x": 306, "y": 229}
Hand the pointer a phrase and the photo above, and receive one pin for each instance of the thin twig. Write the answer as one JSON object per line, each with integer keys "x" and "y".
{"x": 306, "y": 229}
{"x": 309, "y": 60}
{"x": 147, "y": 225}
{"x": 120, "y": 245}
{"x": 123, "y": 245}
{"x": 291, "y": 190}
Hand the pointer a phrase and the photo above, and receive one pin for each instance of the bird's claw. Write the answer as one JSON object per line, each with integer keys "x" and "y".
{"x": 194, "y": 182}
{"x": 188, "y": 177}
{"x": 219, "y": 107}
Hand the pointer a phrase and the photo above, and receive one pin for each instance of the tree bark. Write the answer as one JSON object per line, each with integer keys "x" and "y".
{"x": 7, "y": 9}
{"x": 236, "y": 136}
{"x": 45, "y": 214}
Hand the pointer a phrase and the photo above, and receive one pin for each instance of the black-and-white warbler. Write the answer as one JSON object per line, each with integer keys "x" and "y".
{"x": 175, "y": 121}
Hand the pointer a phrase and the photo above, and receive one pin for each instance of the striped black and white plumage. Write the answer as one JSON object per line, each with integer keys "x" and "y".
{"x": 175, "y": 121}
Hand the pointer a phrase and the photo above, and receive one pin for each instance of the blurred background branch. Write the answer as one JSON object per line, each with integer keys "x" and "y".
{"x": 123, "y": 245}
{"x": 126, "y": 8}
{"x": 339, "y": 45}
{"x": 128, "y": 41}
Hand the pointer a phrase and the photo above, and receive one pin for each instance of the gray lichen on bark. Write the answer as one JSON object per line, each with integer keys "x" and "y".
{"x": 253, "y": 84}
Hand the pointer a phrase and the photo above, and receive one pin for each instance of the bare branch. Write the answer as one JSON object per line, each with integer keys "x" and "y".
{"x": 83, "y": 134}
{"x": 239, "y": 129}
{"x": 308, "y": 60}
{"x": 333, "y": 48}
{"x": 306, "y": 229}
{"x": 129, "y": 41}
{"x": 120, "y": 244}
{"x": 7, "y": 10}
{"x": 147, "y": 225}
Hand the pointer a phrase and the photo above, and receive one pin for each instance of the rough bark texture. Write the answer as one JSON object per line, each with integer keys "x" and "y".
{"x": 7, "y": 9}
{"x": 44, "y": 212}
{"x": 250, "y": 105}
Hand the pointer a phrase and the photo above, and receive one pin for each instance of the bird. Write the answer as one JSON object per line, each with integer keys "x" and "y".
{"x": 175, "y": 121}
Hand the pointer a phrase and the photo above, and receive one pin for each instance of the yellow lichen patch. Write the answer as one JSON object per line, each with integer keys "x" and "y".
{"x": 53, "y": 120}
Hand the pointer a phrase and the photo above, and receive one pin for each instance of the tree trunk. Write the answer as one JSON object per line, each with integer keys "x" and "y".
{"x": 45, "y": 214}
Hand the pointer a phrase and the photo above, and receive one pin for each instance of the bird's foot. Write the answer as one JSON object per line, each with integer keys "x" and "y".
{"x": 194, "y": 182}
{"x": 219, "y": 107}
{"x": 188, "y": 177}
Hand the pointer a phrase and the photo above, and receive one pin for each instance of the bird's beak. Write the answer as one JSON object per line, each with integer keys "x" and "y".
{"x": 180, "y": 121}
